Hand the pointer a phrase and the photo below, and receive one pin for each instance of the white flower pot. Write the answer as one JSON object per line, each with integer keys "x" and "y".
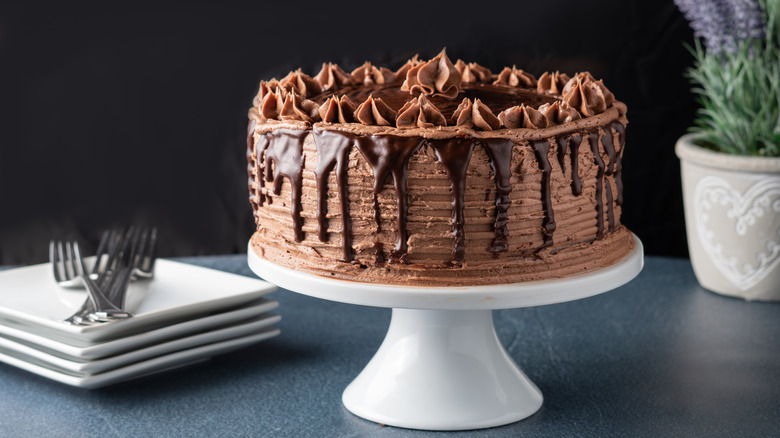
{"x": 732, "y": 218}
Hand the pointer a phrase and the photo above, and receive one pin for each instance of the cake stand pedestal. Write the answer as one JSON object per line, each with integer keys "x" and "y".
{"x": 441, "y": 365}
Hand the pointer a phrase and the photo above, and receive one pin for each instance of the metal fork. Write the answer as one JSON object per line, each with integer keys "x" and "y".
{"x": 147, "y": 254}
{"x": 69, "y": 266}
{"x": 135, "y": 258}
{"x": 106, "y": 257}
{"x": 103, "y": 258}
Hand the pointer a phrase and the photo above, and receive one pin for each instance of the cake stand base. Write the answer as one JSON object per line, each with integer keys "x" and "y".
{"x": 442, "y": 370}
{"x": 441, "y": 365}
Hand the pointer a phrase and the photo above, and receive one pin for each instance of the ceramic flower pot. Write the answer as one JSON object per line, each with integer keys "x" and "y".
{"x": 732, "y": 218}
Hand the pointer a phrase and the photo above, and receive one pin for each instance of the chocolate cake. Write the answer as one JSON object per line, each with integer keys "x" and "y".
{"x": 437, "y": 174}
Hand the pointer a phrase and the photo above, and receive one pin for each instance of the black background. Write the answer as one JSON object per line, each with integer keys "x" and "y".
{"x": 119, "y": 113}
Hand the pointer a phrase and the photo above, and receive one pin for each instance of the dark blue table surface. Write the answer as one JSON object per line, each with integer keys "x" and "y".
{"x": 658, "y": 357}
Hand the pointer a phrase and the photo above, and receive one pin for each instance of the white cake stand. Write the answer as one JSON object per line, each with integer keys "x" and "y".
{"x": 441, "y": 365}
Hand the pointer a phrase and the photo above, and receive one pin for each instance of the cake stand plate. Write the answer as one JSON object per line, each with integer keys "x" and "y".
{"x": 441, "y": 365}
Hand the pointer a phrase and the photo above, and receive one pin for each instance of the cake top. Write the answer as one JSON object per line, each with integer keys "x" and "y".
{"x": 433, "y": 93}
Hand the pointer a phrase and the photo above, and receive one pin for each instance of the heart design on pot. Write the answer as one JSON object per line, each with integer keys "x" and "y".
{"x": 723, "y": 214}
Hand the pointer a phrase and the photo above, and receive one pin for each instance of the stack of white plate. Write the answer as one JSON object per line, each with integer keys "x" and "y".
{"x": 186, "y": 314}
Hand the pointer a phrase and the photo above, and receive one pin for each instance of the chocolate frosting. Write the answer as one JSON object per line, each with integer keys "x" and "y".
{"x": 391, "y": 97}
{"x": 331, "y": 77}
{"x": 271, "y": 104}
{"x": 301, "y": 83}
{"x": 588, "y": 96}
{"x": 515, "y": 77}
{"x": 375, "y": 112}
{"x": 473, "y": 72}
{"x": 558, "y": 113}
{"x": 419, "y": 113}
{"x": 523, "y": 116}
{"x": 296, "y": 107}
{"x": 437, "y": 77}
{"x": 475, "y": 115}
{"x": 400, "y": 74}
{"x": 370, "y": 75}
{"x": 265, "y": 88}
{"x": 337, "y": 110}
{"x": 552, "y": 83}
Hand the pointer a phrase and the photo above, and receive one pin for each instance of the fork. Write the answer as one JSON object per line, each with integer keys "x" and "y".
{"x": 135, "y": 259}
{"x": 103, "y": 258}
{"x": 69, "y": 266}
{"x": 106, "y": 256}
{"x": 144, "y": 265}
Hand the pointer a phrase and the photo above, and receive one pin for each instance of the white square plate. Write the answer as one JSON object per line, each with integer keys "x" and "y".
{"x": 30, "y": 300}
{"x": 143, "y": 368}
{"x": 93, "y": 351}
{"x": 91, "y": 367}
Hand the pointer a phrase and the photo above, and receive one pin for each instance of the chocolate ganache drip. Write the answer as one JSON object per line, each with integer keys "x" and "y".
{"x": 283, "y": 150}
{"x": 250, "y": 150}
{"x": 603, "y": 187}
{"x": 455, "y": 155}
{"x": 499, "y": 151}
{"x": 333, "y": 153}
{"x": 572, "y": 143}
{"x": 621, "y": 130}
{"x": 542, "y": 148}
{"x": 609, "y": 148}
{"x": 389, "y": 156}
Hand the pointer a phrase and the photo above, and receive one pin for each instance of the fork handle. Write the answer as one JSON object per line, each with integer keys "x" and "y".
{"x": 103, "y": 307}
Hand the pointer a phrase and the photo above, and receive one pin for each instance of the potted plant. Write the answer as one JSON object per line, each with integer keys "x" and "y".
{"x": 730, "y": 161}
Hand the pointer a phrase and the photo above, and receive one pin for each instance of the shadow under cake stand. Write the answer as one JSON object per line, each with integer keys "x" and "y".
{"x": 441, "y": 365}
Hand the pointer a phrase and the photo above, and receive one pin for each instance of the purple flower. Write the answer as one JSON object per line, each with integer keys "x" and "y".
{"x": 722, "y": 24}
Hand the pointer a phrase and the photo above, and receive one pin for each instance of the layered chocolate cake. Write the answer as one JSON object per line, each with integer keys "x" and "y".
{"x": 437, "y": 174}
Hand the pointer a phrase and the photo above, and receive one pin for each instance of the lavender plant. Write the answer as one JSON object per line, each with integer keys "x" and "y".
{"x": 736, "y": 74}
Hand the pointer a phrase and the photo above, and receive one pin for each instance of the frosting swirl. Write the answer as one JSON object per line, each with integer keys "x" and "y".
{"x": 295, "y": 107}
{"x": 301, "y": 83}
{"x": 473, "y": 72}
{"x": 552, "y": 83}
{"x": 265, "y": 88}
{"x": 272, "y": 103}
{"x": 475, "y": 114}
{"x": 523, "y": 116}
{"x": 588, "y": 96}
{"x": 437, "y": 77}
{"x": 331, "y": 76}
{"x": 419, "y": 113}
{"x": 515, "y": 77}
{"x": 400, "y": 74}
{"x": 558, "y": 113}
{"x": 370, "y": 75}
{"x": 375, "y": 112}
{"x": 337, "y": 110}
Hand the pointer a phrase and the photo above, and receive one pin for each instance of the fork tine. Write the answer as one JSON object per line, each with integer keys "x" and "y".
{"x": 119, "y": 282}
{"x": 113, "y": 249}
{"x": 67, "y": 260}
{"x": 152, "y": 254}
{"x": 55, "y": 261}
{"x": 70, "y": 265}
{"x": 140, "y": 253}
{"x": 127, "y": 246}
{"x": 78, "y": 261}
{"x": 102, "y": 250}
{"x": 123, "y": 255}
